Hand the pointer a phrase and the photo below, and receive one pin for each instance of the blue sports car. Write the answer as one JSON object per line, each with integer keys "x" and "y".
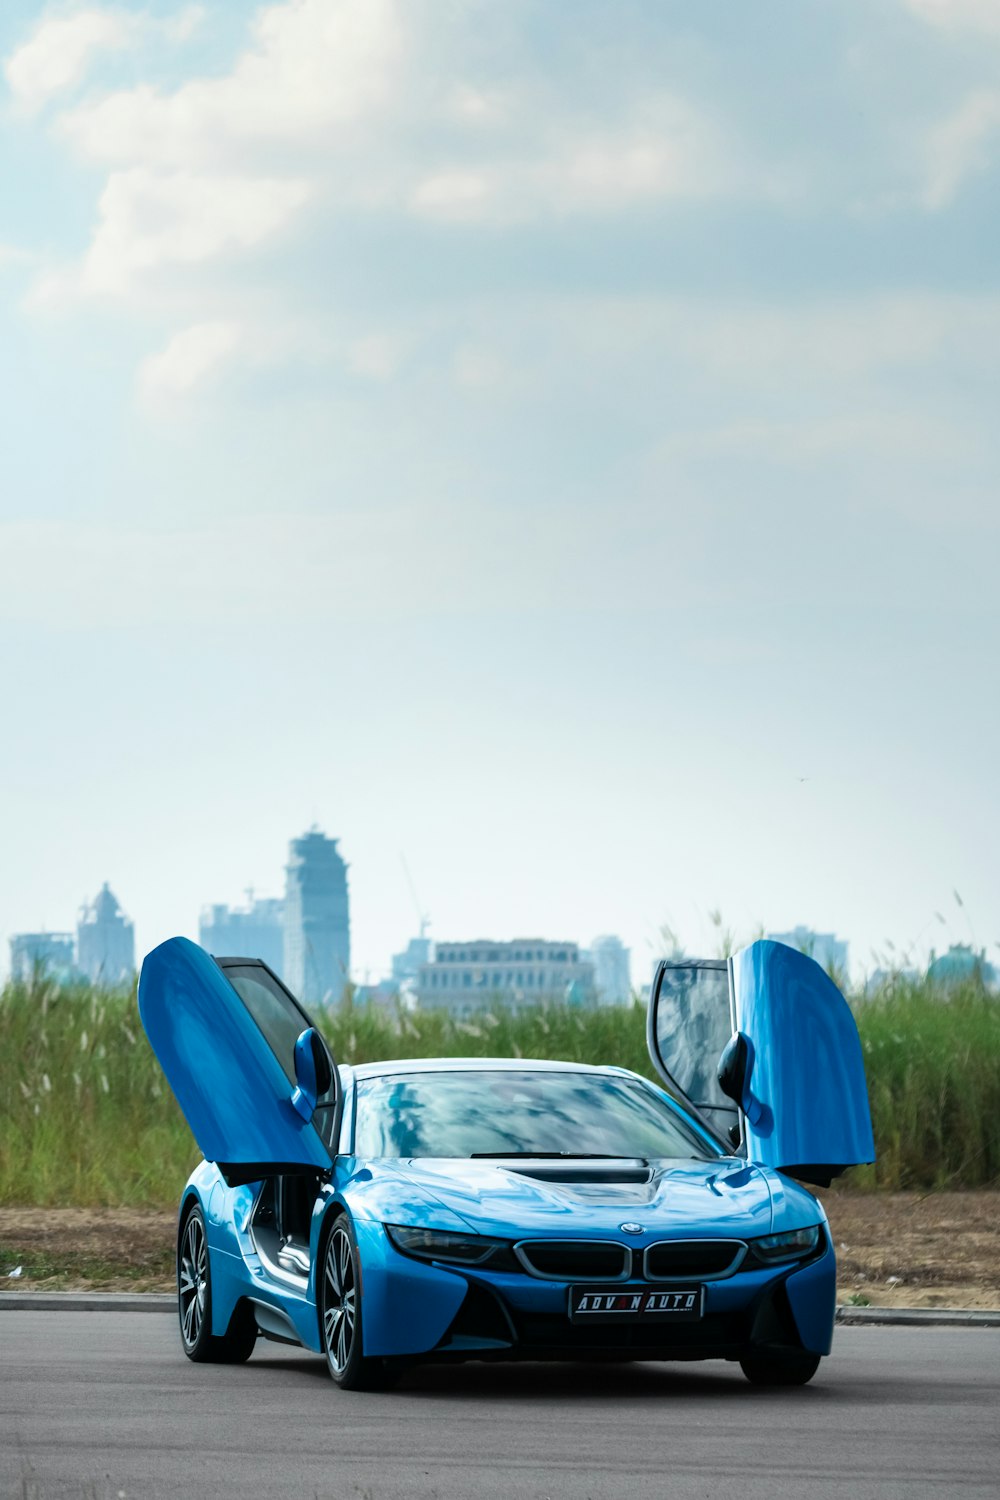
{"x": 460, "y": 1209}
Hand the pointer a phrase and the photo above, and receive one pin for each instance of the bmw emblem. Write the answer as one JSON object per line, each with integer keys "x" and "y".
{"x": 631, "y": 1228}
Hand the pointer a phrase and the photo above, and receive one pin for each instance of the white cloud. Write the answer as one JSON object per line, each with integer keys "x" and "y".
{"x": 313, "y": 66}
{"x": 332, "y": 103}
{"x": 14, "y": 255}
{"x": 961, "y": 147}
{"x": 477, "y": 368}
{"x": 60, "y": 51}
{"x": 189, "y": 358}
{"x": 376, "y": 356}
{"x": 959, "y": 15}
{"x": 478, "y": 106}
{"x": 212, "y": 171}
{"x": 148, "y": 220}
{"x": 671, "y": 151}
{"x": 205, "y": 352}
{"x": 185, "y": 24}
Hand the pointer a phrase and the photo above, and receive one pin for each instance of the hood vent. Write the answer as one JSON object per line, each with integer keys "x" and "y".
{"x": 585, "y": 1172}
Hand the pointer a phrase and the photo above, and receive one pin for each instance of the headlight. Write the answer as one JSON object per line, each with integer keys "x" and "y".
{"x": 795, "y": 1244}
{"x": 463, "y": 1249}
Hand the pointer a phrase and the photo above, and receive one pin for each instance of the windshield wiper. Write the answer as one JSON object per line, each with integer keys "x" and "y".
{"x": 557, "y": 1156}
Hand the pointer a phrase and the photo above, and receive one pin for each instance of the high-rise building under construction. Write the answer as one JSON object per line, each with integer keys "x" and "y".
{"x": 317, "y": 925}
{"x": 105, "y": 944}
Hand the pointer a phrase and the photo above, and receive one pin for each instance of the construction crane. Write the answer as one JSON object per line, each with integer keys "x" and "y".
{"x": 422, "y": 917}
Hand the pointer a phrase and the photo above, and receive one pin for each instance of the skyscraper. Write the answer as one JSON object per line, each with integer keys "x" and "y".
{"x": 105, "y": 944}
{"x": 317, "y": 928}
{"x": 612, "y": 977}
{"x": 252, "y": 931}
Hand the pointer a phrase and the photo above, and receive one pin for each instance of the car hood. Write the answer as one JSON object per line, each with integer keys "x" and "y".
{"x": 508, "y": 1199}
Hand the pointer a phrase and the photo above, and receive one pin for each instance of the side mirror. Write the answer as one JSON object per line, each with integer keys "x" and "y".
{"x": 733, "y": 1067}
{"x": 735, "y": 1072}
{"x": 312, "y": 1072}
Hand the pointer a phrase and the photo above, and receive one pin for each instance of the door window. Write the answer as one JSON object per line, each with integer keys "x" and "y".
{"x": 692, "y": 1022}
{"x": 279, "y": 1017}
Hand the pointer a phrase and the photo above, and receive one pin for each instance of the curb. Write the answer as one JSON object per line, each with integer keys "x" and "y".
{"x": 166, "y": 1302}
{"x": 146, "y": 1302}
{"x": 918, "y": 1317}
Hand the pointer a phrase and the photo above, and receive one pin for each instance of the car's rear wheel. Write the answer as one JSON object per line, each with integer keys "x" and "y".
{"x": 194, "y": 1303}
{"x": 780, "y": 1369}
{"x": 340, "y": 1315}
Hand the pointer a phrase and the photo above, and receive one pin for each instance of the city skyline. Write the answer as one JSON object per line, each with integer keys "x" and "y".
{"x": 256, "y": 929}
{"x": 233, "y": 923}
{"x": 519, "y": 450}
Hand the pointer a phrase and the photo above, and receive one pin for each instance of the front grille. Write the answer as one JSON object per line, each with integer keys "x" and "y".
{"x": 685, "y": 1260}
{"x": 575, "y": 1260}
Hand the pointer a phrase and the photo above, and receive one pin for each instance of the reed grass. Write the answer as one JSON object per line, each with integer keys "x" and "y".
{"x": 86, "y": 1117}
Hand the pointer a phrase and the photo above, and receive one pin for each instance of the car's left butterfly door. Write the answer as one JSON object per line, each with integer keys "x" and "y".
{"x": 253, "y": 1077}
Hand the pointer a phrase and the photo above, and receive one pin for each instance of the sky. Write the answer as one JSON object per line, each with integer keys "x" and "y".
{"x": 553, "y": 444}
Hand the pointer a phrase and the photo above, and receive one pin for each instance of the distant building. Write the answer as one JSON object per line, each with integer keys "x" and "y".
{"x": 825, "y": 947}
{"x": 407, "y": 965}
{"x": 384, "y": 993}
{"x": 886, "y": 979}
{"x": 48, "y": 953}
{"x": 253, "y": 931}
{"x": 612, "y": 974}
{"x": 959, "y": 965}
{"x": 105, "y": 942}
{"x": 467, "y": 977}
{"x": 317, "y": 947}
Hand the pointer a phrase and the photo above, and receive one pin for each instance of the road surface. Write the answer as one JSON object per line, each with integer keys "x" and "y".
{"x": 105, "y": 1405}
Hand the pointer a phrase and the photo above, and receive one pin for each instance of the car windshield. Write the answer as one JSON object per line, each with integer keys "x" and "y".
{"x": 512, "y": 1112}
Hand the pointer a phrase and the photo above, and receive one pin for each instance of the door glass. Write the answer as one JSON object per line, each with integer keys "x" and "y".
{"x": 693, "y": 1023}
{"x": 278, "y": 1016}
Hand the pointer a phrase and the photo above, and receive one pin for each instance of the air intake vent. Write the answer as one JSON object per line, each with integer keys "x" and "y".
{"x": 575, "y": 1260}
{"x": 682, "y": 1260}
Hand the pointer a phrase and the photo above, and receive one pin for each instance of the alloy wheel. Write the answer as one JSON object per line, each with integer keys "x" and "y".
{"x": 339, "y": 1300}
{"x": 192, "y": 1280}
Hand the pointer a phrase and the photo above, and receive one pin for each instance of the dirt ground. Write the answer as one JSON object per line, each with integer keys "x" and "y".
{"x": 915, "y": 1249}
{"x": 893, "y": 1249}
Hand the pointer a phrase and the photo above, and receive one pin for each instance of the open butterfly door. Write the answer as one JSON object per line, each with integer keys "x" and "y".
{"x": 253, "y": 1077}
{"x": 765, "y": 1049}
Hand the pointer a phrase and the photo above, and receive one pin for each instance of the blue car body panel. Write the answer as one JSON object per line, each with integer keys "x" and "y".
{"x": 681, "y": 1197}
{"x": 237, "y": 1099}
{"x": 230, "y": 1086}
{"x": 805, "y": 1100}
{"x": 409, "y": 1304}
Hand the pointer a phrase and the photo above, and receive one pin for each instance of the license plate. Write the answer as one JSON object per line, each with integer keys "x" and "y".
{"x": 636, "y": 1304}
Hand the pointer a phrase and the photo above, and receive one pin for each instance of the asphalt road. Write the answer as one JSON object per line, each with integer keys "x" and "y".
{"x": 104, "y": 1405}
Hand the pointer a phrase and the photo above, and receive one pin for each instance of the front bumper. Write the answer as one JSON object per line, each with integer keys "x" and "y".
{"x": 416, "y": 1308}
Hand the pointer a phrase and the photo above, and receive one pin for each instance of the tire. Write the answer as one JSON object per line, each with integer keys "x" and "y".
{"x": 340, "y": 1315}
{"x": 194, "y": 1303}
{"x": 780, "y": 1369}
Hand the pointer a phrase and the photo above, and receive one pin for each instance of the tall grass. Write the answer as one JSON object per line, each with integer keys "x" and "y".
{"x": 932, "y": 1057}
{"x": 86, "y": 1117}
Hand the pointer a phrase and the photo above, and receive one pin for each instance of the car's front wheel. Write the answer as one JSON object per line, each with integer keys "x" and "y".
{"x": 780, "y": 1369}
{"x": 194, "y": 1303}
{"x": 340, "y": 1315}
